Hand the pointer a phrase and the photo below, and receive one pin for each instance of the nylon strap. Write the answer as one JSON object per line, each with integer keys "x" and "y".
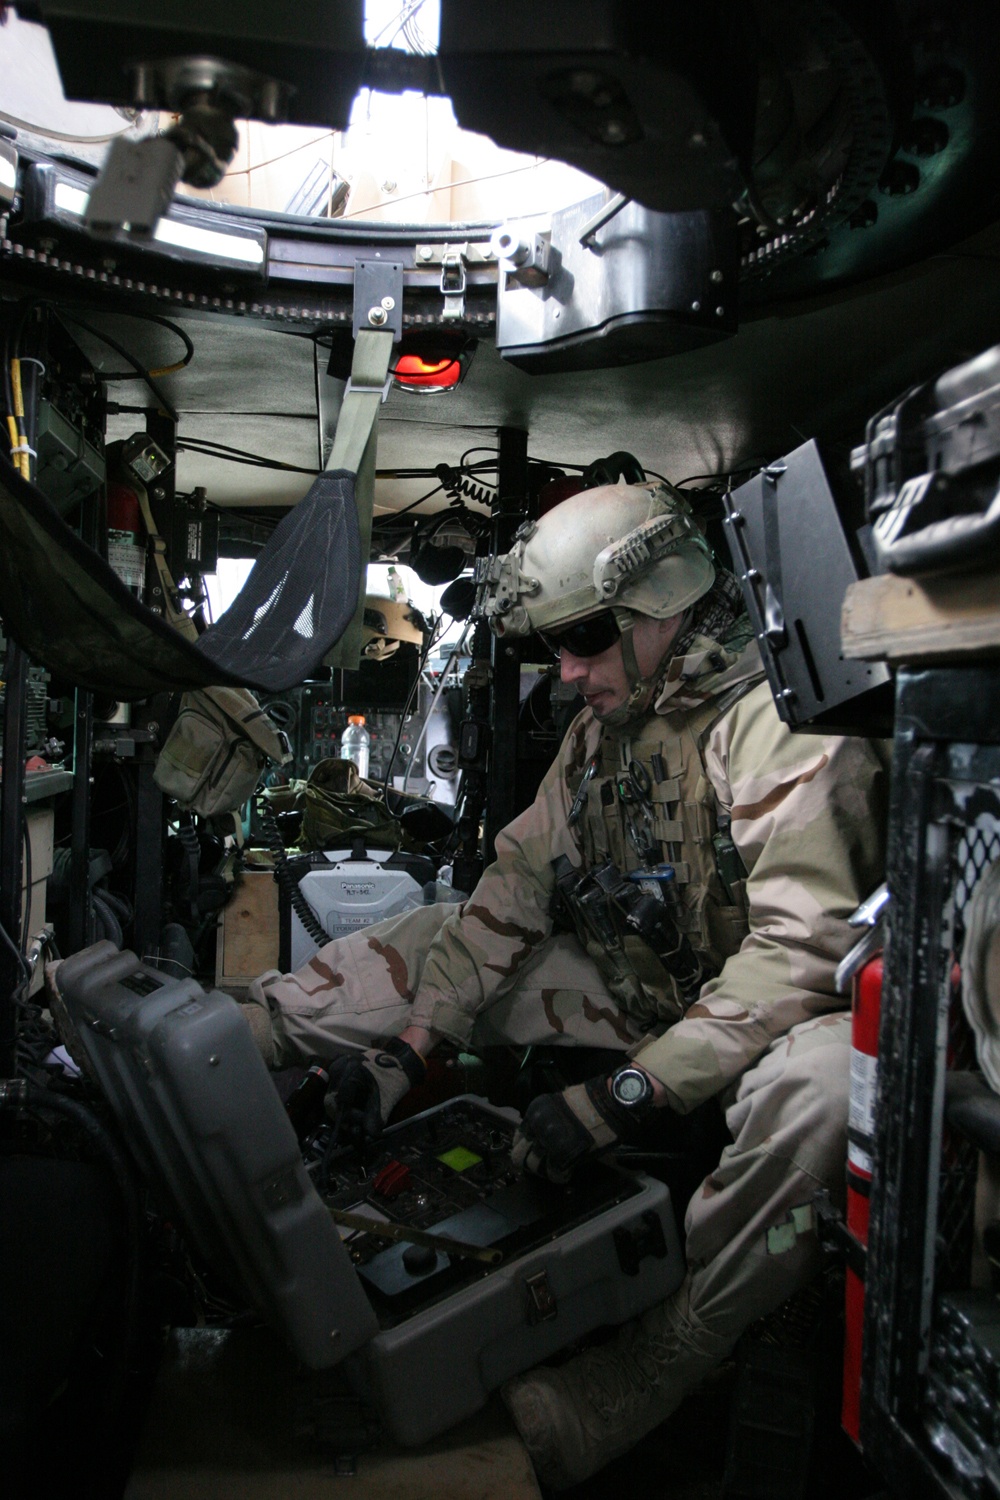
{"x": 181, "y": 621}
{"x": 353, "y": 449}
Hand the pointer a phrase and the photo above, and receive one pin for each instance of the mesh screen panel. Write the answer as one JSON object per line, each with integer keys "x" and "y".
{"x": 974, "y": 848}
{"x": 72, "y": 614}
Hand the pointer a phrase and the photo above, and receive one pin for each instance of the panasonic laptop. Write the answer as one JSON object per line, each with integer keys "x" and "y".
{"x": 468, "y": 1273}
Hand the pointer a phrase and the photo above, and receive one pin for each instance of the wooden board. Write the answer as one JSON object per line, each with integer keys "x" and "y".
{"x": 908, "y": 619}
{"x": 248, "y": 932}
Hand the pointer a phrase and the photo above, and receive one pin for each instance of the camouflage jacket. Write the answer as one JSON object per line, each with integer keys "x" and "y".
{"x": 807, "y": 817}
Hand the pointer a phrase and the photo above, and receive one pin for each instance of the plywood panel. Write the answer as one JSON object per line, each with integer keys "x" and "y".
{"x": 921, "y": 619}
{"x": 248, "y": 933}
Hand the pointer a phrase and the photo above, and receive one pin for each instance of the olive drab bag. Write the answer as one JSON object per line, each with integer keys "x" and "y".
{"x": 214, "y": 755}
{"x": 339, "y": 807}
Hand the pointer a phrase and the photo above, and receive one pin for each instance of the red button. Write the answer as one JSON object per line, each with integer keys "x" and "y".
{"x": 391, "y": 1180}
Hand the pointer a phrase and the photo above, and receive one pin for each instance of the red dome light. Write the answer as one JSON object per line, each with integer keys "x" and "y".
{"x": 415, "y": 373}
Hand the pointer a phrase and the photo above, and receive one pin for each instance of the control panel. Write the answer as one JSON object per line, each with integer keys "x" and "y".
{"x": 327, "y": 723}
{"x": 446, "y": 1175}
{"x": 314, "y": 723}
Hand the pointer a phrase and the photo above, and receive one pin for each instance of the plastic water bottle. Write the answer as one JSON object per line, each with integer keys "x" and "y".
{"x": 355, "y": 743}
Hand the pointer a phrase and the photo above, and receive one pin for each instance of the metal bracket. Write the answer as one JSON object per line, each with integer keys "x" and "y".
{"x": 835, "y": 1237}
{"x": 603, "y": 216}
{"x": 473, "y": 253}
{"x": 350, "y": 386}
{"x": 378, "y": 296}
{"x": 453, "y": 286}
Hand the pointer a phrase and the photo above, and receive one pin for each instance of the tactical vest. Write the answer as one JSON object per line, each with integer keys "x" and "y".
{"x": 681, "y": 814}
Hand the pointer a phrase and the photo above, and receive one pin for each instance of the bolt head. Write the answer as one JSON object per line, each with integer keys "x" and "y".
{"x": 377, "y": 317}
{"x": 715, "y": 276}
{"x": 388, "y": 303}
{"x": 425, "y": 252}
{"x": 696, "y": 306}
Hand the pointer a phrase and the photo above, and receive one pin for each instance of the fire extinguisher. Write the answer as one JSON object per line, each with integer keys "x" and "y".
{"x": 126, "y": 538}
{"x": 862, "y": 969}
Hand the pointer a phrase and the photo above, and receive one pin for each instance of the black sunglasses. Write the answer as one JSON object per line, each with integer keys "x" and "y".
{"x": 587, "y": 637}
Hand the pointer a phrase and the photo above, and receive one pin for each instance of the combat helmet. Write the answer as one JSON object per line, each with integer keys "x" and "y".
{"x": 628, "y": 548}
{"x": 386, "y": 624}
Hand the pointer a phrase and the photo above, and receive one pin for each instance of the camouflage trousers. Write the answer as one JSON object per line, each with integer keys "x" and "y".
{"x": 751, "y": 1244}
{"x": 360, "y": 988}
{"x": 750, "y": 1228}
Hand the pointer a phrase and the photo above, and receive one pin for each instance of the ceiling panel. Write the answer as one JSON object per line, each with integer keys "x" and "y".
{"x": 813, "y": 370}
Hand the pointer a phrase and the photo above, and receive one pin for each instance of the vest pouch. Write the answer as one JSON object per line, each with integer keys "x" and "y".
{"x": 623, "y": 983}
{"x": 213, "y": 757}
{"x": 662, "y": 1000}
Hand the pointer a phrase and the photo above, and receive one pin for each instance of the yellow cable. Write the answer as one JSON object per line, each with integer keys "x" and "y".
{"x": 21, "y": 440}
{"x": 17, "y": 459}
{"x": 168, "y": 369}
{"x": 15, "y": 380}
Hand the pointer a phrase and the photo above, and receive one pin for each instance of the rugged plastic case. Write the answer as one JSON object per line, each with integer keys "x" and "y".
{"x": 203, "y": 1118}
{"x": 442, "y": 1363}
{"x": 201, "y": 1115}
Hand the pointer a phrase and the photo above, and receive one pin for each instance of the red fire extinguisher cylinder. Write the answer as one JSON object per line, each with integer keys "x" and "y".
{"x": 866, "y": 1008}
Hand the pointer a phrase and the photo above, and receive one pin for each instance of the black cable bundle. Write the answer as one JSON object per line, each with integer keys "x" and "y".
{"x": 286, "y": 879}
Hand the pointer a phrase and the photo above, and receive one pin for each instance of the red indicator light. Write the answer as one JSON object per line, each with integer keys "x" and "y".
{"x": 422, "y": 374}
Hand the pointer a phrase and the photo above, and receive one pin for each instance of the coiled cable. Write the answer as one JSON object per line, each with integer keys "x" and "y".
{"x": 286, "y": 880}
{"x": 457, "y": 485}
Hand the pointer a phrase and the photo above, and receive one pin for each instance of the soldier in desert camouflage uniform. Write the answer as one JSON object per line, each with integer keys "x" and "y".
{"x": 707, "y": 861}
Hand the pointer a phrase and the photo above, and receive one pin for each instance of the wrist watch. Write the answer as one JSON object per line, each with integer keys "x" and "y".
{"x": 632, "y": 1089}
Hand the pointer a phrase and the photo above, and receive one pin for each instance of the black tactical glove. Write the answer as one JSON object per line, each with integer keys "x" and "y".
{"x": 365, "y": 1089}
{"x": 559, "y": 1130}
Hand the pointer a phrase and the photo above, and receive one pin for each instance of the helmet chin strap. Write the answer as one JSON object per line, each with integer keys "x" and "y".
{"x": 642, "y": 690}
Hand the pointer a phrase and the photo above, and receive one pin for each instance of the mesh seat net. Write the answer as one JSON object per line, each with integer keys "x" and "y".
{"x": 72, "y": 614}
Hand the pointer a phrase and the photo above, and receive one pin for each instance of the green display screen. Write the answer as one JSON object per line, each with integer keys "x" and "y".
{"x": 460, "y": 1159}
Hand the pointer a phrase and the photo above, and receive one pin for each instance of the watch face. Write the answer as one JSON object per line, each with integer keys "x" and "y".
{"x": 630, "y": 1087}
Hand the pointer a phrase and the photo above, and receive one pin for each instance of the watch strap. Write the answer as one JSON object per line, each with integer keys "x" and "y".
{"x": 409, "y": 1060}
{"x": 624, "y": 1122}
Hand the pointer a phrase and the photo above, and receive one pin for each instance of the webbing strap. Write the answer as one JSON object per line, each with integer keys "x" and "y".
{"x": 174, "y": 616}
{"x": 362, "y": 399}
{"x": 353, "y": 449}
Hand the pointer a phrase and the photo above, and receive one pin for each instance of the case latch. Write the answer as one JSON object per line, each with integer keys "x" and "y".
{"x": 542, "y": 1305}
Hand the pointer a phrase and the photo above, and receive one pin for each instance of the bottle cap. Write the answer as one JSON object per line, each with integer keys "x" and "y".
{"x": 355, "y": 718}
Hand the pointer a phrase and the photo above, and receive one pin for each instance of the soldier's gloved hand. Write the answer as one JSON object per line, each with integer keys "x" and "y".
{"x": 365, "y": 1089}
{"x": 559, "y": 1130}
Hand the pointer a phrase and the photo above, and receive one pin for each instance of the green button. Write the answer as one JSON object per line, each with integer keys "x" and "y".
{"x": 460, "y": 1159}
